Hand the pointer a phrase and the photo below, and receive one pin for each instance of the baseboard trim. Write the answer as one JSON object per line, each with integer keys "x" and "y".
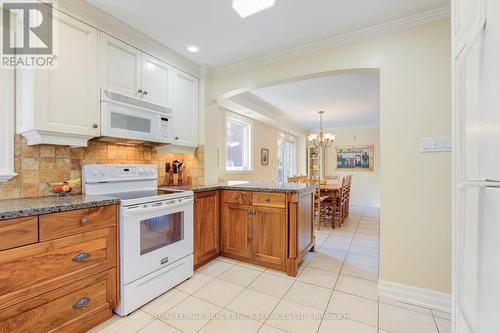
{"x": 414, "y": 295}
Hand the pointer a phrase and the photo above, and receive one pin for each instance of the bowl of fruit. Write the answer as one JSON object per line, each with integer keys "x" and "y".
{"x": 64, "y": 188}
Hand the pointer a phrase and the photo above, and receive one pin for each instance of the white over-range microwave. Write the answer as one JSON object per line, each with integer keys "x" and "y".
{"x": 127, "y": 120}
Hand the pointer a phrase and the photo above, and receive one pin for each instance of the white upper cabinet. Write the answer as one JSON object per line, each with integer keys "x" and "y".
{"x": 60, "y": 105}
{"x": 121, "y": 67}
{"x": 156, "y": 81}
{"x": 130, "y": 72}
{"x": 185, "y": 110}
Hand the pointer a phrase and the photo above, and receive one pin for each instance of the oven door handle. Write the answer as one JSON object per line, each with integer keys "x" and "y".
{"x": 138, "y": 210}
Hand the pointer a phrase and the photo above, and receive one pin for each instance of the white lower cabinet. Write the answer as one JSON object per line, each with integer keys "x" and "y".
{"x": 60, "y": 105}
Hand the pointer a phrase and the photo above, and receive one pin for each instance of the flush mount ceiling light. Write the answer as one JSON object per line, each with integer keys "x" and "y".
{"x": 193, "y": 48}
{"x": 246, "y": 8}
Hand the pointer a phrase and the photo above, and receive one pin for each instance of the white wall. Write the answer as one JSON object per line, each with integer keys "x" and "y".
{"x": 365, "y": 184}
{"x": 415, "y": 84}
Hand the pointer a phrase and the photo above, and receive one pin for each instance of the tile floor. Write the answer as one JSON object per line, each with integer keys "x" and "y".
{"x": 335, "y": 291}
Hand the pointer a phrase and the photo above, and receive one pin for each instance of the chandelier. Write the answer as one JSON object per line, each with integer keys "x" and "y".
{"x": 322, "y": 140}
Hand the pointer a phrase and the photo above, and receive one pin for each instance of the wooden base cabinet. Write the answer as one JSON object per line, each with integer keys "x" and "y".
{"x": 67, "y": 279}
{"x": 236, "y": 230}
{"x": 269, "y": 231}
{"x": 206, "y": 227}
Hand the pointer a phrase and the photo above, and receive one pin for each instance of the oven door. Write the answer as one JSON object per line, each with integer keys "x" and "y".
{"x": 155, "y": 235}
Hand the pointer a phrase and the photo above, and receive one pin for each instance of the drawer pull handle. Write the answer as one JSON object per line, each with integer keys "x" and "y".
{"x": 84, "y": 301}
{"x": 81, "y": 257}
{"x": 84, "y": 221}
{"x": 268, "y": 199}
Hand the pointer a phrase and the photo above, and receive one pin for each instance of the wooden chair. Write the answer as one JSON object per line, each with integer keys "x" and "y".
{"x": 339, "y": 203}
{"x": 323, "y": 203}
{"x": 348, "y": 196}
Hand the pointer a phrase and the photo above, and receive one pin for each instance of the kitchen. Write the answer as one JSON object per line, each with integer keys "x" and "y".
{"x": 152, "y": 177}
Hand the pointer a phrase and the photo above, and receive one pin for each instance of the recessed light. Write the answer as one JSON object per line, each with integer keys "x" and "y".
{"x": 246, "y": 8}
{"x": 193, "y": 48}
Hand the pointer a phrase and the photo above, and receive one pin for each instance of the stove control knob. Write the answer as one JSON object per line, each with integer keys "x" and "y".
{"x": 141, "y": 171}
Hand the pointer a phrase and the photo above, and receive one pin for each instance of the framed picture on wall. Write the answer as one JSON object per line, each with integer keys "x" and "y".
{"x": 264, "y": 156}
{"x": 354, "y": 158}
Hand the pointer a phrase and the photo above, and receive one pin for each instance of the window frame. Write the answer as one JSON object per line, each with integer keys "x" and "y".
{"x": 234, "y": 118}
{"x": 291, "y": 140}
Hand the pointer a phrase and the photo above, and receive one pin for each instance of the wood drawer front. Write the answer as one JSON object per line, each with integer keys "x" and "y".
{"x": 63, "y": 224}
{"x": 74, "y": 308}
{"x": 237, "y": 197}
{"x": 277, "y": 200}
{"x": 18, "y": 232}
{"x": 34, "y": 269}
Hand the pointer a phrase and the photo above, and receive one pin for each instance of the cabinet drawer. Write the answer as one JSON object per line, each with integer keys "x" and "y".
{"x": 18, "y": 232}
{"x": 31, "y": 270}
{"x": 73, "y": 308}
{"x": 58, "y": 225}
{"x": 277, "y": 200}
{"x": 237, "y": 197}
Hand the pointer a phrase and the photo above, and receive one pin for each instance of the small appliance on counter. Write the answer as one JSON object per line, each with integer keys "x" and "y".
{"x": 175, "y": 173}
{"x": 156, "y": 230}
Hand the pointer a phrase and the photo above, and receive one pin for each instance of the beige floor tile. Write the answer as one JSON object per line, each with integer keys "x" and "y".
{"x": 165, "y": 302}
{"x": 359, "y": 287}
{"x": 345, "y": 326}
{"x": 252, "y": 266}
{"x": 295, "y": 318}
{"x": 444, "y": 325}
{"x": 335, "y": 245}
{"x": 310, "y": 295}
{"x": 215, "y": 268}
{"x": 440, "y": 314}
{"x": 367, "y": 251}
{"x": 271, "y": 284}
{"x": 362, "y": 272}
{"x": 366, "y": 243}
{"x": 308, "y": 257}
{"x": 362, "y": 260}
{"x": 129, "y": 324}
{"x": 317, "y": 277}
{"x": 157, "y": 327}
{"x": 270, "y": 329}
{"x": 326, "y": 263}
{"x": 228, "y": 260}
{"x": 407, "y": 306}
{"x": 279, "y": 273}
{"x": 195, "y": 283}
{"x": 219, "y": 292}
{"x": 239, "y": 275}
{"x": 228, "y": 321}
{"x": 356, "y": 308}
{"x": 254, "y": 304}
{"x": 362, "y": 235}
{"x": 400, "y": 320}
{"x": 191, "y": 314}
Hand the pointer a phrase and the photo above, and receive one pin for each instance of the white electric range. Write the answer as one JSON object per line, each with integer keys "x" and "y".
{"x": 156, "y": 230}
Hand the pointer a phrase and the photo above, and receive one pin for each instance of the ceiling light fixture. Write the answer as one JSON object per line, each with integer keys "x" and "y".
{"x": 323, "y": 140}
{"x": 193, "y": 48}
{"x": 246, "y": 8}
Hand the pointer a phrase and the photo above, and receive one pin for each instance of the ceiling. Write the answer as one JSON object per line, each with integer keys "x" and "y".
{"x": 225, "y": 38}
{"x": 349, "y": 100}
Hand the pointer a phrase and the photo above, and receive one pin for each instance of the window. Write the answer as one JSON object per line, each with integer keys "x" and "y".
{"x": 238, "y": 144}
{"x": 287, "y": 160}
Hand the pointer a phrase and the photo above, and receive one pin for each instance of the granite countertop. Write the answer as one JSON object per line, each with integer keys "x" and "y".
{"x": 13, "y": 208}
{"x": 248, "y": 186}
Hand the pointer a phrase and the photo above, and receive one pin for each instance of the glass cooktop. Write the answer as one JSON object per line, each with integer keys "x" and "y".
{"x": 140, "y": 194}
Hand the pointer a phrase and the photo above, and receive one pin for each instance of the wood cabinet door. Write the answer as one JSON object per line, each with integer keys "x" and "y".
{"x": 67, "y": 96}
{"x": 185, "y": 110}
{"x": 270, "y": 235}
{"x": 236, "y": 231}
{"x": 206, "y": 226}
{"x": 156, "y": 81}
{"x": 120, "y": 67}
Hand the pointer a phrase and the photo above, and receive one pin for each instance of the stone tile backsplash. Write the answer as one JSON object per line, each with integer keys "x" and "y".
{"x": 41, "y": 164}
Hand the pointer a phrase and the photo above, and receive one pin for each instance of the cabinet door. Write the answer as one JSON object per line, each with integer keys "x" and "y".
{"x": 121, "y": 67}
{"x": 67, "y": 96}
{"x": 269, "y": 235}
{"x": 185, "y": 110}
{"x": 206, "y": 226}
{"x": 236, "y": 230}
{"x": 156, "y": 81}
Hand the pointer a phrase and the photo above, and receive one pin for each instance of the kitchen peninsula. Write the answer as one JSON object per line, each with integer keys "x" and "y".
{"x": 267, "y": 224}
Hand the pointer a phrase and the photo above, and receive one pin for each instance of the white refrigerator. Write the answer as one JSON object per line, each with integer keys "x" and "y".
{"x": 476, "y": 132}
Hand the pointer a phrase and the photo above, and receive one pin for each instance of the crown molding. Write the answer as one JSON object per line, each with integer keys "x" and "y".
{"x": 429, "y": 16}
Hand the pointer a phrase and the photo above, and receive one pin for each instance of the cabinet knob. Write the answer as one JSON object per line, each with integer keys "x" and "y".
{"x": 95, "y": 126}
{"x": 145, "y": 92}
{"x": 176, "y": 138}
{"x": 139, "y": 91}
{"x": 81, "y": 257}
{"x": 84, "y": 301}
{"x": 268, "y": 199}
{"x": 84, "y": 221}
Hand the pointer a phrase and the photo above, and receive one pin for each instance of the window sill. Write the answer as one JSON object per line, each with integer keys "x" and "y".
{"x": 239, "y": 171}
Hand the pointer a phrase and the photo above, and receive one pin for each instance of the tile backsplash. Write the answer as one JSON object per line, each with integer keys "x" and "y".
{"x": 37, "y": 165}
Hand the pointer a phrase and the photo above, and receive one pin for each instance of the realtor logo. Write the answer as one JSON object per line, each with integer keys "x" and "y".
{"x": 31, "y": 44}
